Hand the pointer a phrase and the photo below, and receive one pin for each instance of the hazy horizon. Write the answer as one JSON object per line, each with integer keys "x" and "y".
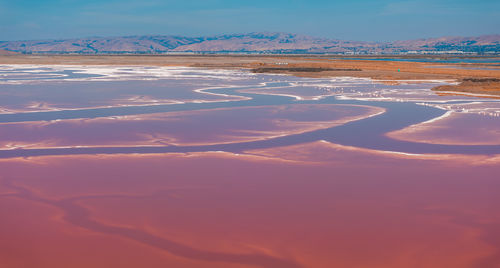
{"x": 241, "y": 33}
{"x": 358, "y": 20}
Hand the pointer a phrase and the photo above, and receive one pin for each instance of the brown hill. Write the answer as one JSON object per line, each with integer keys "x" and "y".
{"x": 6, "y": 52}
{"x": 252, "y": 42}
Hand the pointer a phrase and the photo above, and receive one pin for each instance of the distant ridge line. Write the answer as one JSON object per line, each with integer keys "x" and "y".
{"x": 252, "y": 43}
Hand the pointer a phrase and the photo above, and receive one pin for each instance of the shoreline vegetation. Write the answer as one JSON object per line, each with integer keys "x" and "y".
{"x": 470, "y": 77}
{"x": 299, "y": 70}
{"x": 489, "y": 86}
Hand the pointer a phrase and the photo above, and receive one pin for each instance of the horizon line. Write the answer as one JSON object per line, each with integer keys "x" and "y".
{"x": 247, "y": 33}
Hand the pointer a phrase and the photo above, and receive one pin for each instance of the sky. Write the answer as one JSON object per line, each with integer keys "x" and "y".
{"x": 363, "y": 20}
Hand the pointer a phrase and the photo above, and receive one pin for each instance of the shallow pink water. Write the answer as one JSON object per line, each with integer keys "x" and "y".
{"x": 314, "y": 204}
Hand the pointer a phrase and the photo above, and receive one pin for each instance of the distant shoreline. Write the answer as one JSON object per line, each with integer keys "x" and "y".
{"x": 473, "y": 77}
{"x": 251, "y": 54}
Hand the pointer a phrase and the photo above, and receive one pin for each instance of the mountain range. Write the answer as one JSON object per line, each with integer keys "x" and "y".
{"x": 252, "y": 43}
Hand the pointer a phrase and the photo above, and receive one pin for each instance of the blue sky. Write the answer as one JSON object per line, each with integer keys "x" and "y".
{"x": 368, "y": 20}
